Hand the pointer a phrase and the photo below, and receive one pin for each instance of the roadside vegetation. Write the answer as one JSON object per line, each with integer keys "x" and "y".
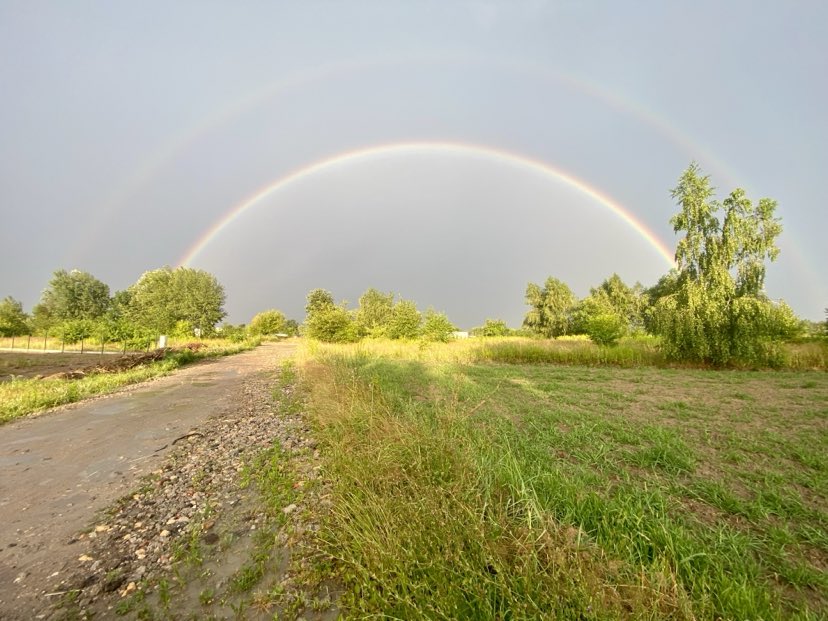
{"x": 20, "y": 397}
{"x": 490, "y": 491}
{"x": 635, "y": 454}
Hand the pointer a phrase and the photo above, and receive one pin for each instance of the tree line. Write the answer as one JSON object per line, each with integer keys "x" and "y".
{"x": 183, "y": 302}
{"x": 378, "y": 315}
{"x": 711, "y": 309}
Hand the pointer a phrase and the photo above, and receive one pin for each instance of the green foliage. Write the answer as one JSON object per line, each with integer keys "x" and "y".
{"x": 405, "y": 321}
{"x": 374, "y": 313}
{"x": 331, "y": 324}
{"x": 233, "y": 333}
{"x": 716, "y": 311}
{"x": 13, "y": 321}
{"x": 161, "y": 298}
{"x": 606, "y": 329}
{"x": 76, "y": 330}
{"x": 667, "y": 285}
{"x": 72, "y": 295}
{"x": 611, "y": 297}
{"x": 318, "y": 300}
{"x": 550, "y": 308}
{"x": 291, "y": 327}
{"x": 437, "y": 327}
{"x": 268, "y": 323}
{"x": 493, "y": 327}
{"x": 585, "y": 310}
{"x": 183, "y": 329}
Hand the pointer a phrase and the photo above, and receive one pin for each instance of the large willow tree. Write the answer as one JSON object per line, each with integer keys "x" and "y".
{"x": 718, "y": 312}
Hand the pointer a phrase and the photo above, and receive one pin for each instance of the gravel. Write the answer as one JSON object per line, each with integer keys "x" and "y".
{"x": 193, "y": 520}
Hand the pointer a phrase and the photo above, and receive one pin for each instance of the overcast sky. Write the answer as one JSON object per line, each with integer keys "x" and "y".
{"x": 128, "y": 130}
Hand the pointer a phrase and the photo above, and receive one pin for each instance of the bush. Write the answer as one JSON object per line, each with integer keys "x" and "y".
{"x": 405, "y": 321}
{"x": 332, "y": 325}
{"x": 437, "y": 327}
{"x": 605, "y": 329}
{"x": 77, "y": 330}
{"x": 493, "y": 327}
{"x": 268, "y": 323}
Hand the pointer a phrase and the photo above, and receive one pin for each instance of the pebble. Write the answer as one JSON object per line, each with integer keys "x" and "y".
{"x": 199, "y": 478}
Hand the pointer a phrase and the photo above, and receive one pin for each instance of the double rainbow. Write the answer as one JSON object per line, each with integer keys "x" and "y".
{"x": 436, "y": 148}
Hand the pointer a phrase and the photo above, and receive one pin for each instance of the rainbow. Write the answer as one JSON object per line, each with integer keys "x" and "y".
{"x": 188, "y": 135}
{"x": 407, "y": 148}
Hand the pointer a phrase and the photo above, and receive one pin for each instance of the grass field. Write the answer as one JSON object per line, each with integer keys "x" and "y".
{"x": 469, "y": 489}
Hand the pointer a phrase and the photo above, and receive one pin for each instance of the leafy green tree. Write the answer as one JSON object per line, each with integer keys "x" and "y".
{"x": 72, "y": 295}
{"x": 291, "y": 327}
{"x": 493, "y": 327}
{"x": 13, "y": 321}
{"x": 437, "y": 327}
{"x": 164, "y": 297}
{"x": 550, "y": 308}
{"x": 374, "y": 312}
{"x": 318, "y": 299}
{"x": 405, "y": 321}
{"x": 152, "y": 301}
{"x": 116, "y": 324}
{"x": 42, "y": 320}
{"x": 611, "y": 297}
{"x": 268, "y": 323}
{"x": 331, "y": 324}
{"x": 586, "y": 310}
{"x": 667, "y": 285}
{"x": 719, "y": 312}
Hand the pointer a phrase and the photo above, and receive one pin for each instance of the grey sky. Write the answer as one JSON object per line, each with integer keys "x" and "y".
{"x": 128, "y": 129}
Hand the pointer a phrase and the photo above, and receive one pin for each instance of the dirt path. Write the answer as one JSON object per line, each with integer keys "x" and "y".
{"x": 59, "y": 469}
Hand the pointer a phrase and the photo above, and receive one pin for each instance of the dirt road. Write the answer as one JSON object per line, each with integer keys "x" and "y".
{"x": 60, "y": 468}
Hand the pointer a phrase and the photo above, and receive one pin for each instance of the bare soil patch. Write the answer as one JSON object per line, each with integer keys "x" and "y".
{"x": 69, "y": 365}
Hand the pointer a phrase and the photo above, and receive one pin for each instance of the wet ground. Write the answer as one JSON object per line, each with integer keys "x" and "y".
{"x": 59, "y": 469}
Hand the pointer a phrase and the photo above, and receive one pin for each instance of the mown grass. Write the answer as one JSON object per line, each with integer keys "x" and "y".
{"x": 469, "y": 490}
{"x": 20, "y": 397}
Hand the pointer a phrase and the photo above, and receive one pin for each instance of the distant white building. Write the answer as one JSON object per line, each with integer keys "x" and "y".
{"x": 460, "y": 334}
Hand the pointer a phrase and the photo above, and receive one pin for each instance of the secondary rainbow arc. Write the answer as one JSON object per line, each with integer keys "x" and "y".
{"x": 470, "y": 150}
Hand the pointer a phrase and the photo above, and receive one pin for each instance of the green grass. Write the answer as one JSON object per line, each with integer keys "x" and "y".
{"x": 21, "y": 397}
{"x": 501, "y": 491}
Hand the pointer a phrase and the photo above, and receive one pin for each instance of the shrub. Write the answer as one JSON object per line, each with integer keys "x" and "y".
{"x": 268, "y": 323}
{"x": 332, "y": 325}
{"x": 437, "y": 327}
{"x": 605, "y": 329}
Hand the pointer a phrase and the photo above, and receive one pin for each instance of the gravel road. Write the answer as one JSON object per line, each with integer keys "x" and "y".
{"x": 58, "y": 470}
